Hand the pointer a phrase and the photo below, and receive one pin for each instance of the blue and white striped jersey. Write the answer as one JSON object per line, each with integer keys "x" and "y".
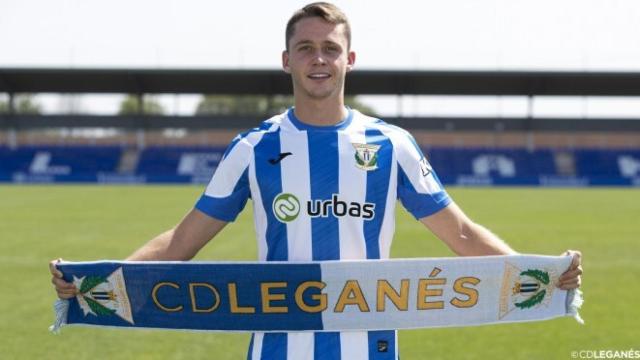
{"x": 323, "y": 193}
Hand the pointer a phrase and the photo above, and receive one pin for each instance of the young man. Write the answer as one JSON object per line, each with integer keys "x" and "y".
{"x": 324, "y": 180}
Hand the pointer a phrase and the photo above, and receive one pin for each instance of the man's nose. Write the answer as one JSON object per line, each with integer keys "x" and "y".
{"x": 318, "y": 58}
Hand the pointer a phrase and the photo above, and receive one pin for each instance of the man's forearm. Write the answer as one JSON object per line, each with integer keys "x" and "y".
{"x": 462, "y": 235}
{"x": 476, "y": 240}
{"x": 182, "y": 242}
{"x": 161, "y": 248}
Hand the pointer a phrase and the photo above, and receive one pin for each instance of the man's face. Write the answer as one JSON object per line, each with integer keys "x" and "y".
{"x": 318, "y": 58}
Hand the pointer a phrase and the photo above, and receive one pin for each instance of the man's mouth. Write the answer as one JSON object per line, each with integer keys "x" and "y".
{"x": 318, "y": 76}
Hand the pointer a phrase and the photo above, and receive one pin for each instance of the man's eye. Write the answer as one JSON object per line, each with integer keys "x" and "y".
{"x": 304, "y": 48}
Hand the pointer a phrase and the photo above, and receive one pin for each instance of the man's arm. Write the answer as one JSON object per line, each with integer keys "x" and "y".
{"x": 183, "y": 241}
{"x": 463, "y": 236}
{"x": 467, "y": 238}
{"x": 180, "y": 243}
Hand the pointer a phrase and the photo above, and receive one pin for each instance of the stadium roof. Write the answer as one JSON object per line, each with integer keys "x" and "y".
{"x": 238, "y": 82}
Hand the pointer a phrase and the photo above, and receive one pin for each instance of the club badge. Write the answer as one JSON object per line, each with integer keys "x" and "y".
{"x": 102, "y": 296}
{"x": 525, "y": 289}
{"x": 366, "y": 156}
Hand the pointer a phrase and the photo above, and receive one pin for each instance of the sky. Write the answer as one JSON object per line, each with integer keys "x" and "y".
{"x": 586, "y": 35}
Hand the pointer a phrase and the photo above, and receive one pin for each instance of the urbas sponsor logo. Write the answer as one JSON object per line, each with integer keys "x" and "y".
{"x": 318, "y": 208}
{"x": 286, "y": 208}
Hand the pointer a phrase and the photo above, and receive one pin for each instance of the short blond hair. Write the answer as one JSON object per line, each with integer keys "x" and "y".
{"x": 326, "y": 11}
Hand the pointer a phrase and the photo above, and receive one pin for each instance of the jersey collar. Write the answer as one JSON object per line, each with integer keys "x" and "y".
{"x": 303, "y": 126}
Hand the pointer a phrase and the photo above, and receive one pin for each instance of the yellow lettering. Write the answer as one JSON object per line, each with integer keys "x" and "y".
{"x": 401, "y": 300}
{"x": 472, "y": 294}
{"x": 214, "y": 291}
{"x": 321, "y": 298}
{"x": 154, "y": 296}
{"x": 233, "y": 302}
{"x": 351, "y": 295}
{"x": 424, "y": 292}
{"x": 268, "y": 297}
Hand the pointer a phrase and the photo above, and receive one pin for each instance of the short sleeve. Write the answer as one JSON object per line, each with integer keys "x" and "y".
{"x": 419, "y": 189}
{"x": 228, "y": 191}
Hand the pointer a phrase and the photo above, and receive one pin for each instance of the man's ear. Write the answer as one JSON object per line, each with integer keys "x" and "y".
{"x": 285, "y": 62}
{"x": 351, "y": 60}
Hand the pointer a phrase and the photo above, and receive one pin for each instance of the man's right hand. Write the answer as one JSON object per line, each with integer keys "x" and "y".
{"x": 64, "y": 289}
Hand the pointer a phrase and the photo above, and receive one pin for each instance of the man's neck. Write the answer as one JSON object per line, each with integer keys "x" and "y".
{"x": 324, "y": 112}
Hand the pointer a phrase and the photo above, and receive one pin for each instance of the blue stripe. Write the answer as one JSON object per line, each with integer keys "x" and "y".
{"x": 269, "y": 179}
{"x": 420, "y": 205}
{"x": 325, "y": 241}
{"x": 274, "y": 346}
{"x": 323, "y": 171}
{"x": 228, "y": 208}
{"x": 247, "y": 278}
{"x": 250, "y": 351}
{"x": 378, "y": 341}
{"x": 377, "y": 189}
{"x": 326, "y": 346}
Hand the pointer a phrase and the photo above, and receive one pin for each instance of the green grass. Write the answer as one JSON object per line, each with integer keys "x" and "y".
{"x": 39, "y": 223}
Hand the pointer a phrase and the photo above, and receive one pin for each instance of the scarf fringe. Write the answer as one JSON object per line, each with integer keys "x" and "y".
{"x": 61, "y": 309}
{"x": 574, "y": 303}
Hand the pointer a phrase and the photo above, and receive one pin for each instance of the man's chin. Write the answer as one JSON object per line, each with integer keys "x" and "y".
{"x": 319, "y": 94}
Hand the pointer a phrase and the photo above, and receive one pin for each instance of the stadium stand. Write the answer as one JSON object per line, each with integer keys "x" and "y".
{"x": 58, "y": 164}
{"x": 458, "y": 166}
{"x": 479, "y": 151}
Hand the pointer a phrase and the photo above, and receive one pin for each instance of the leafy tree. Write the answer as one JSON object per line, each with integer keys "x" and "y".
{"x": 23, "y": 104}
{"x": 150, "y": 106}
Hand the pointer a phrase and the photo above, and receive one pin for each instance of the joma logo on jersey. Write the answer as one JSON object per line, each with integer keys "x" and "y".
{"x": 286, "y": 208}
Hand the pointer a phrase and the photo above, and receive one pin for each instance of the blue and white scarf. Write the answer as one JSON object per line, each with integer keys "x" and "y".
{"x": 316, "y": 296}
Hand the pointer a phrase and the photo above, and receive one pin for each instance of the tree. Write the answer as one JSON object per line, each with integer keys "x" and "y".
{"x": 232, "y": 105}
{"x": 259, "y": 105}
{"x": 23, "y": 104}
{"x": 150, "y": 106}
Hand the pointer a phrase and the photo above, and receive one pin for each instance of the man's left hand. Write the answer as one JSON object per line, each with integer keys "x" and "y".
{"x": 572, "y": 278}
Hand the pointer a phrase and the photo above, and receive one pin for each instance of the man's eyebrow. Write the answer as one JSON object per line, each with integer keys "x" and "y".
{"x": 306, "y": 42}
{"x": 301, "y": 42}
{"x": 329, "y": 42}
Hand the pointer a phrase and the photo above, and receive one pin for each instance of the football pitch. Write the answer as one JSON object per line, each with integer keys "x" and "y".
{"x": 39, "y": 223}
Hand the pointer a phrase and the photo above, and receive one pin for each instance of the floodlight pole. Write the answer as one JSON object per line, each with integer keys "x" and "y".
{"x": 529, "y": 127}
{"x": 12, "y": 107}
{"x": 140, "y": 113}
{"x": 13, "y": 137}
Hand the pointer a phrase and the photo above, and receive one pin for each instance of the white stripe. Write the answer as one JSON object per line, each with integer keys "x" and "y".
{"x": 229, "y": 171}
{"x": 397, "y": 345}
{"x": 389, "y": 222}
{"x": 352, "y": 187}
{"x": 296, "y": 180}
{"x": 259, "y": 214}
{"x": 354, "y": 345}
{"x": 257, "y": 346}
{"x": 300, "y": 346}
{"x": 385, "y": 237}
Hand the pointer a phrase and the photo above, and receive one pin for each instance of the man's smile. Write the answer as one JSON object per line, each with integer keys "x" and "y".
{"x": 319, "y": 76}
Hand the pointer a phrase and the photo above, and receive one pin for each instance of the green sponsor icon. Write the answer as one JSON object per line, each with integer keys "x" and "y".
{"x": 286, "y": 207}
